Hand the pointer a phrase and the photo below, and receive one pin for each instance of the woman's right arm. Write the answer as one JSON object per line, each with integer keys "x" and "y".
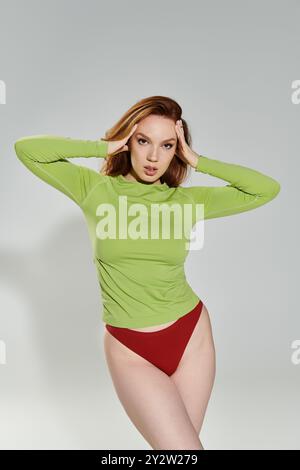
{"x": 46, "y": 156}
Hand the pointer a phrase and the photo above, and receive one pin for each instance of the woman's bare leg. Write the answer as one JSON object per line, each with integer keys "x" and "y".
{"x": 150, "y": 398}
{"x": 195, "y": 375}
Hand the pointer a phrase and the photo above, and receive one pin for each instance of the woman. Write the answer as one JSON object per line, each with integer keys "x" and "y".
{"x": 158, "y": 340}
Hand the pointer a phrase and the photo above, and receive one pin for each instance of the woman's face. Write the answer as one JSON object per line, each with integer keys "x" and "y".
{"x": 152, "y": 144}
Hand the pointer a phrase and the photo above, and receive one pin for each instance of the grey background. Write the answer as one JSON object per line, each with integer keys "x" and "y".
{"x": 72, "y": 69}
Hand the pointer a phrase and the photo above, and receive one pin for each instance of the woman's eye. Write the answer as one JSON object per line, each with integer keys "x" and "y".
{"x": 146, "y": 141}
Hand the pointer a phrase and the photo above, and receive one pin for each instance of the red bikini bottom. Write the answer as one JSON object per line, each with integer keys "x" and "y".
{"x": 163, "y": 348}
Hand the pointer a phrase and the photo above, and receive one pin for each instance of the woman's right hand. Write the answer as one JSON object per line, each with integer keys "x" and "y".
{"x": 117, "y": 146}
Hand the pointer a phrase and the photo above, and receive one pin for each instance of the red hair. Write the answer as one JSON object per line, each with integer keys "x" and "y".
{"x": 120, "y": 163}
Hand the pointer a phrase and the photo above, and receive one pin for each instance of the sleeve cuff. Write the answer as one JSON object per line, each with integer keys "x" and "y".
{"x": 202, "y": 164}
{"x": 102, "y": 148}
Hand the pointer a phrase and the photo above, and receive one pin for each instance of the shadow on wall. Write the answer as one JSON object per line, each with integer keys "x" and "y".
{"x": 62, "y": 313}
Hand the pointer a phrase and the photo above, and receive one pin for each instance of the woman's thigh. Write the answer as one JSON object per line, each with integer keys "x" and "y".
{"x": 195, "y": 374}
{"x": 150, "y": 398}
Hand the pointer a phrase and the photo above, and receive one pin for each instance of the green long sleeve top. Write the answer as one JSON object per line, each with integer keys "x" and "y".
{"x": 142, "y": 279}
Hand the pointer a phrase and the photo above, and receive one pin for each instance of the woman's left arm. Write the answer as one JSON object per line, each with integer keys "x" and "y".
{"x": 248, "y": 188}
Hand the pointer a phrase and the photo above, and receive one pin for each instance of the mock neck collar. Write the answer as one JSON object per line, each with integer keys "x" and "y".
{"x": 125, "y": 182}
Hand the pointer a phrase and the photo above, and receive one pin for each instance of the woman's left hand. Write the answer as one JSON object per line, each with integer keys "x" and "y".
{"x": 189, "y": 157}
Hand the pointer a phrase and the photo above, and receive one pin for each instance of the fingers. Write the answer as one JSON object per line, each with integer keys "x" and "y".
{"x": 179, "y": 130}
{"x": 134, "y": 128}
{"x": 130, "y": 134}
{"x": 132, "y": 131}
{"x": 179, "y": 125}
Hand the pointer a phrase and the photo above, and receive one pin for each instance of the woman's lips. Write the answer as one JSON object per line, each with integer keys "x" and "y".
{"x": 150, "y": 170}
